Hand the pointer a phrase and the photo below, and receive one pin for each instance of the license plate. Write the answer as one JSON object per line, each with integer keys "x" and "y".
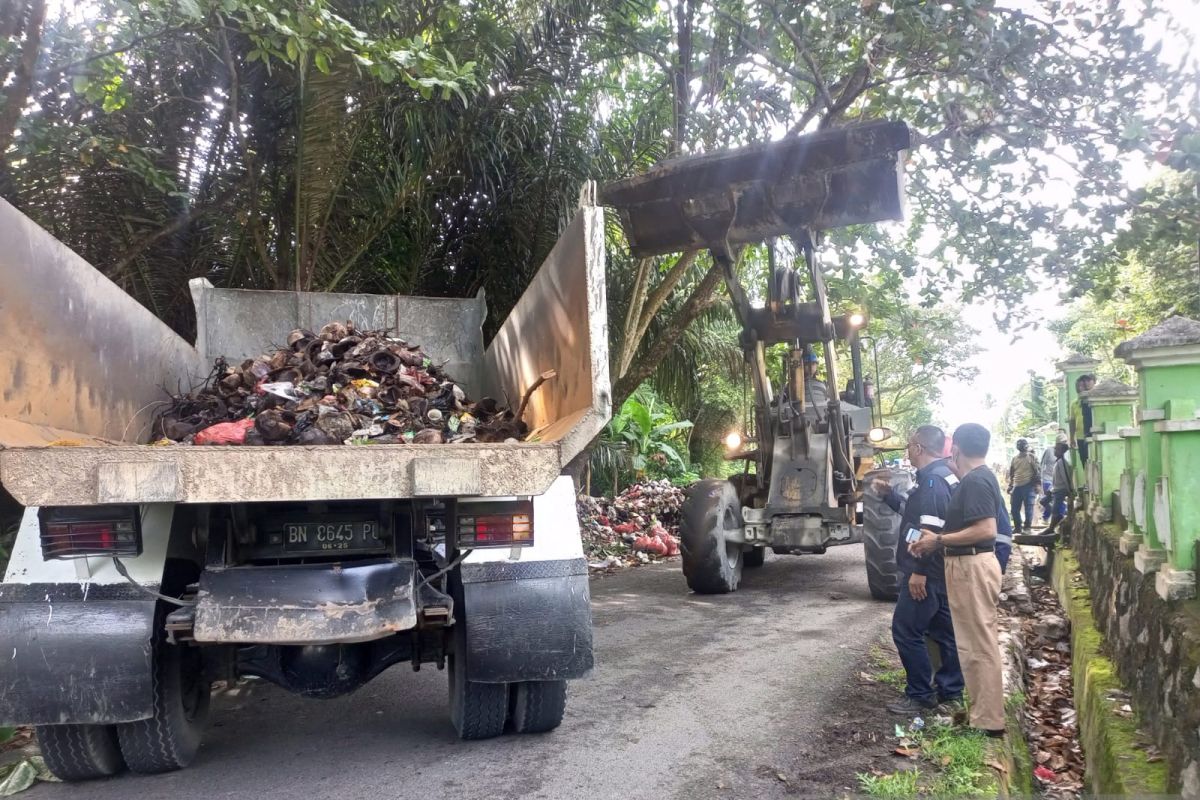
{"x": 323, "y": 537}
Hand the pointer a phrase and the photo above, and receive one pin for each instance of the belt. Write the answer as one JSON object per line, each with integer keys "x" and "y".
{"x": 972, "y": 550}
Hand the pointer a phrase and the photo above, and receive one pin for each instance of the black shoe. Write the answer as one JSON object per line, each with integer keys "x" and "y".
{"x": 908, "y": 707}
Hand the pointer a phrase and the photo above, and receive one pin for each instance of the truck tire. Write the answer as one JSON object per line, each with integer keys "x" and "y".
{"x": 538, "y": 706}
{"x": 881, "y": 532}
{"x": 477, "y": 710}
{"x": 711, "y": 565}
{"x": 169, "y": 739}
{"x": 80, "y": 752}
{"x": 754, "y": 557}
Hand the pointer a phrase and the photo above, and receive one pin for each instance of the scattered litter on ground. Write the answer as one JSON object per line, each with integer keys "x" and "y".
{"x": 1050, "y": 717}
{"x": 21, "y": 775}
{"x": 339, "y": 386}
{"x": 638, "y": 526}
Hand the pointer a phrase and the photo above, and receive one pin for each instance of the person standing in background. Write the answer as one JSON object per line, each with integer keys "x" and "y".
{"x": 1023, "y": 474}
{"x": 1063, "y": 486}
{"x": 1080, "y": 418}
{"x": 1047, "y": 476}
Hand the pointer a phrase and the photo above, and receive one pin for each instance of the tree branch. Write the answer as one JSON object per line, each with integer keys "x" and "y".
{"x": 692, "y": 308}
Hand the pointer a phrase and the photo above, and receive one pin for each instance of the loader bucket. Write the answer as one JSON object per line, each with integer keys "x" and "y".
{"x": 828, "y": 179}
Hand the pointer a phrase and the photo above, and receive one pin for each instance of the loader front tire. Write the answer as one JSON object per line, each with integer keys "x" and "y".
{"x": 881, "y": 532}
{"x": 711, "y": 563}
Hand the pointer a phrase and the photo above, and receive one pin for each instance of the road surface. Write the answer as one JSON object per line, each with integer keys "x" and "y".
{"x": 693, "y": 697}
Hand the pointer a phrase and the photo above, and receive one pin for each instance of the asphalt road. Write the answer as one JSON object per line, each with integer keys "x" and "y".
{"x": 692, "y": 697}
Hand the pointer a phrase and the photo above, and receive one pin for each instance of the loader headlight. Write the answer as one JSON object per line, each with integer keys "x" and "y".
{"x": 733, "y": 440}
{"x": 879, "y": 435}
{"x": 856, "y": 319}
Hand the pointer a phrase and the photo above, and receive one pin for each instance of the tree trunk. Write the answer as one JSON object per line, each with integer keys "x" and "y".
{"x": 16, "y": 95}
{"x": 644, "y": 367}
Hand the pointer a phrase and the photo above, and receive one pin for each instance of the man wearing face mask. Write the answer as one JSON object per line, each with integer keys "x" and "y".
{"x": 968, "y": 543}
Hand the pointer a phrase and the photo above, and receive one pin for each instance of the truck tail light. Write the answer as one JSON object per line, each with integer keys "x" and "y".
{"x": 92, "y": 531}
{"x": 495, "y": 525}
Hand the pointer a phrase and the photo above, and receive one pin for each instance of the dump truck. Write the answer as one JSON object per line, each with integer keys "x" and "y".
{"x": 811, "y": 451}
{"x": 141, "y": 576}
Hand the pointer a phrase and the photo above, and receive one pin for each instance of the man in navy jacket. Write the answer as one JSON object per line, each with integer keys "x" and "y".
{"x": 922, "y": 607}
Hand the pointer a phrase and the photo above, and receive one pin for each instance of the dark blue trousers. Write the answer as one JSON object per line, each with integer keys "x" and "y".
{"x": 1022, "y": 500}
{"x": 911, "y": 621}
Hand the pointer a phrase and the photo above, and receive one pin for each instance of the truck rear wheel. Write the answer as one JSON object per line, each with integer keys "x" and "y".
{"x": 881, "y": 532}
{"x": 80, "y": 752}
{"x": 711, "y": 564}
{"x": 477, "y": 710}
{"x": 169, "y": 739}
{"x": 538, "y": 706}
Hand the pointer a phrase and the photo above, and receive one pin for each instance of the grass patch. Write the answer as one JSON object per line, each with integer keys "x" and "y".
{"x": 896, "y": 678}
{"x": 897, "y": 786}
{"x": 953, "y": 764}
{"x": 879, "y": 658}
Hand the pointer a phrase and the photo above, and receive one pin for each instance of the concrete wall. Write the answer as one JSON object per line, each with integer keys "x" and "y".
{"x": 79, "y": 358}
{"x": 240, "y": 324}
{"x": 1154, "y": 644}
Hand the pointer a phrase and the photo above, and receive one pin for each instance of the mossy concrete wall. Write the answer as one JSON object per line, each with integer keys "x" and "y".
{"x": 1123, "y": 633}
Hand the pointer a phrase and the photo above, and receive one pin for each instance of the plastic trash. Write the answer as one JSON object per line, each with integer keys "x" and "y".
{"x": 225, "y": 432}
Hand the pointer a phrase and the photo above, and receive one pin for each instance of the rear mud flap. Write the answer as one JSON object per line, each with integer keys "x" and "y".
{"x": 74, "y": 655}
{"x": 527, "y": 621}
{"x": 308, "y": 604}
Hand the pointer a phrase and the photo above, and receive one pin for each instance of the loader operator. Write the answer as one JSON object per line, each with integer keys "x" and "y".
{"x": 922, "y": 607}
{"x": 815, "y": 391}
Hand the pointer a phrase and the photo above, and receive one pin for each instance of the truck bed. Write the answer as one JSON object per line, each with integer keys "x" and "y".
{"x": 91, "y": 365}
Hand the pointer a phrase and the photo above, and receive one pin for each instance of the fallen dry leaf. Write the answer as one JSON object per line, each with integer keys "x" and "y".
{"x": 996, "y": 765}
{"x": 907, "y": 752}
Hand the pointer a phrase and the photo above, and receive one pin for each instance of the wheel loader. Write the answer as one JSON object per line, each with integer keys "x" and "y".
{"x": 812, "y": 449}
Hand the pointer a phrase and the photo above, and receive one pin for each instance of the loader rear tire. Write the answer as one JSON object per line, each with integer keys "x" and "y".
{"x": 80, "y": 752}
{"x": 537, "y": 706}
{"x": 881, "y": 532}
{"x": 711, "y": 564}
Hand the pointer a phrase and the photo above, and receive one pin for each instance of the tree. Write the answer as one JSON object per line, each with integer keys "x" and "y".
{"x": 1149, "y": 273}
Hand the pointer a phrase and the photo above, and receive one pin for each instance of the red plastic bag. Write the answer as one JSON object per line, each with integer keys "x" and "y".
{"x": 225, "y": 432}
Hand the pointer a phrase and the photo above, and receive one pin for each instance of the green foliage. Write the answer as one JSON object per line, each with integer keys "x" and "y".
{"x": 896, "y": 786}
{"x": 642, "y": 440}
{"x": 953, "y": 765}
{"x": 960, "y": 758}
{"x": 1029, "y": 409}
{"x": 1149, "y": 273}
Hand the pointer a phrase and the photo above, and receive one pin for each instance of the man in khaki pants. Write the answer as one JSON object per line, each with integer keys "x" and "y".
{"x": 973, "y": 574}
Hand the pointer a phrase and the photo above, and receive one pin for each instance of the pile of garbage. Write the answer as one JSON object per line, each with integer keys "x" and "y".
{"x": 1050, "y": 715}
{"x": 338, "y": 386}
{"x": 638, "y": 526}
